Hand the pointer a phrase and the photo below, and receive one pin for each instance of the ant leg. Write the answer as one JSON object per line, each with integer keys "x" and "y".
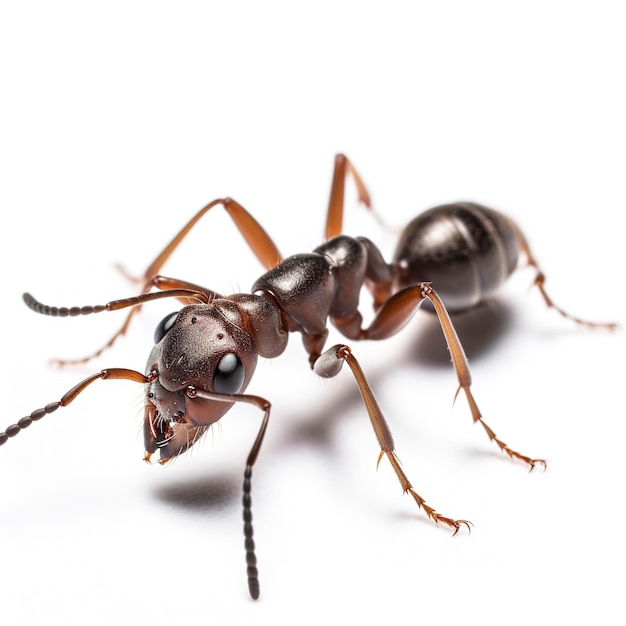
{"x": 539, "y": 282}
{"x": 255, "y": 235}
{"x": 334, "y": 216}
{"x": 328, "y": 365}
{"x": 119, "y": 333}
{"x": 540, "y": 279}
{"x": 398, "y": 310}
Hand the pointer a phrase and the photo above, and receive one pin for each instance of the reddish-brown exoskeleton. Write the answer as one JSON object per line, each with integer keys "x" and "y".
{"x": 205, "y": 354}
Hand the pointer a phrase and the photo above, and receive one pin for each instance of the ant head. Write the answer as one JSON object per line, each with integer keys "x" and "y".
{"x": 208, "y": 348}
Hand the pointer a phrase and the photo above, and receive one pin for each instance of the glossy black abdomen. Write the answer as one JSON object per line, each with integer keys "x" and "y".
{"x": 466, "y": 250}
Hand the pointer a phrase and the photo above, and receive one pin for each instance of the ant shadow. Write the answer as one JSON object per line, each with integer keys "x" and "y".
{"x": 214, "y": 492}
{"x": 480, "y": 329}
{"x": 313, "y": 427}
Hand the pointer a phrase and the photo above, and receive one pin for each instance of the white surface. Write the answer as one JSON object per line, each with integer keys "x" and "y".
{"x": 119, "y": 123}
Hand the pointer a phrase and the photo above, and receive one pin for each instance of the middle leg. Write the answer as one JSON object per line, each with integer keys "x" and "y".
{"x": 254, "y": 234}
{"x": 328, "y": 365}
{"x": 397, "y": 311}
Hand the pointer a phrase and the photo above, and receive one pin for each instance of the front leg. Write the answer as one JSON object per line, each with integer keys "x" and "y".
{"x": 329, "y": 364}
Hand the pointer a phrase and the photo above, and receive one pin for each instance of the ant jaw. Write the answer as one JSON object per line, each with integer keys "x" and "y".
{"x": 148, "y": 459}
{"x": 175, "y": 420}
{"x": 170, "y": 437}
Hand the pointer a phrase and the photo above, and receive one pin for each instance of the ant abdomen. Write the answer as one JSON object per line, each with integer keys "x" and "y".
{"x": 466, "y": 250}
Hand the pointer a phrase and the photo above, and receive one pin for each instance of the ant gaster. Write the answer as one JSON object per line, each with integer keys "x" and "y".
{"x": 205, "y": 354}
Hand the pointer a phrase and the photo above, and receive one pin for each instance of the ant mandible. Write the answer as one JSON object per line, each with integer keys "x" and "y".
{"x": 205, "y": 354}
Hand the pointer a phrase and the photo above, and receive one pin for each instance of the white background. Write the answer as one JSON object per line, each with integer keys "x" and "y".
{"x": 119, "y": 122}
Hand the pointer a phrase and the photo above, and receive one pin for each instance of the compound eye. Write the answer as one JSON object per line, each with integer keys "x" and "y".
{"x": 164, "y": 326}
{"x": 229, "y": 374}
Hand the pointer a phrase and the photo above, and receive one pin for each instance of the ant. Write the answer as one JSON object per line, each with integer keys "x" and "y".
{"x": 205, "y": 354}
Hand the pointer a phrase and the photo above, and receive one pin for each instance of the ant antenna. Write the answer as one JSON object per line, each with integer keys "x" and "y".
{"x": 248, "y": 532}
